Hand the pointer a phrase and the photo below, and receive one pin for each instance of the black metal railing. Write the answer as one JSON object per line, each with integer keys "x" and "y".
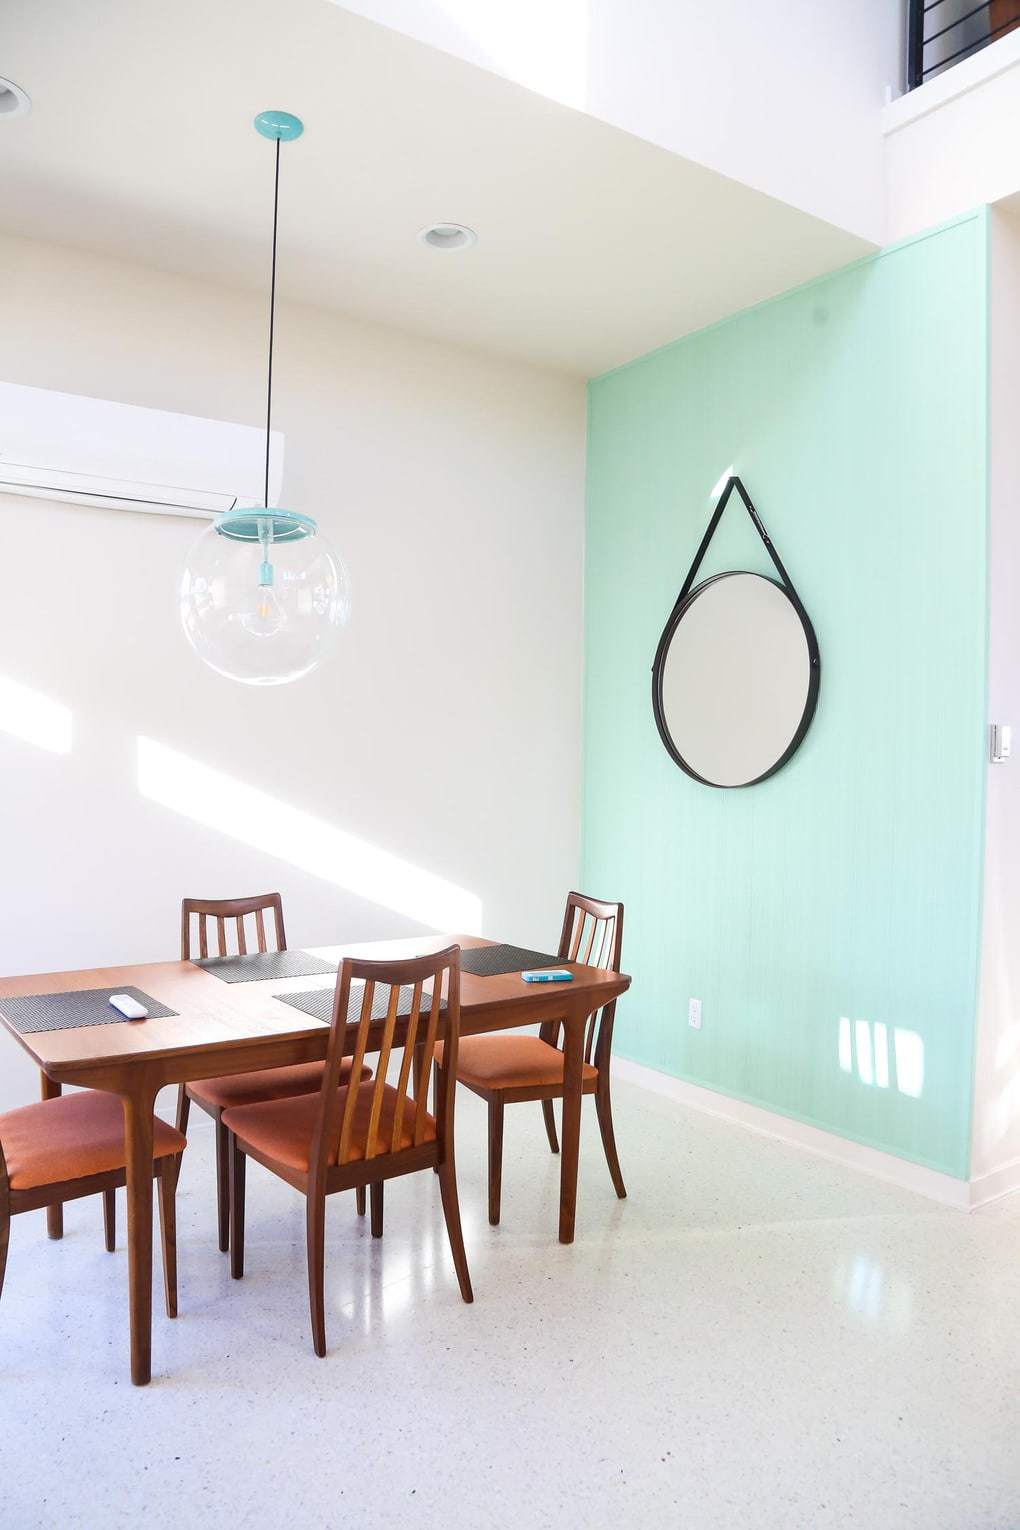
{"x": 942, "y": 32}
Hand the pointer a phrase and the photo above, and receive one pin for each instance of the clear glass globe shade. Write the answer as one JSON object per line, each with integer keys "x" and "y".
{"x": 259, "y": 632}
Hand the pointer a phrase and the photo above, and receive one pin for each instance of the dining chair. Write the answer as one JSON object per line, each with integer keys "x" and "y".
{"x": 72, "y": 1145}
{"x": 504, "y": 1069}
{"x": 215, "y": 1095}
{"x": 357, "y": 1136}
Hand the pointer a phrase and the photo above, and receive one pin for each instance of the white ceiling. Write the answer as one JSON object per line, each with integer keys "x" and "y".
{"x": 594, "y": 246}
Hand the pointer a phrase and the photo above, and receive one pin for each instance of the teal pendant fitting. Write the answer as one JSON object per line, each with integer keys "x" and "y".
{"x": 281, "y": 126}
{"x": 259, "y": 525}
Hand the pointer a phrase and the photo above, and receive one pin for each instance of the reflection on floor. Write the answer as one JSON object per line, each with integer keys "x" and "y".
{"x": 755, "y": 1339}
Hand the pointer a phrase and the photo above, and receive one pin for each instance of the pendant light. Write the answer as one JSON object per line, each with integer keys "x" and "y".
{"x": 262, "y": 596}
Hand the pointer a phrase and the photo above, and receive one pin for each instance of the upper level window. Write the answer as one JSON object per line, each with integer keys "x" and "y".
{"x": 942, "y": 32}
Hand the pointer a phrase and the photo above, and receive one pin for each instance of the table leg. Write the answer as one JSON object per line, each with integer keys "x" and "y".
{"x": 138, "y": 1109}
{"x": 51, "y": 1090}
{"x": 573, "y": 1057}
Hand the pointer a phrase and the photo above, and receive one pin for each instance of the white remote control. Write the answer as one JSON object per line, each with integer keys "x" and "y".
{"x": 129, "y": 1007}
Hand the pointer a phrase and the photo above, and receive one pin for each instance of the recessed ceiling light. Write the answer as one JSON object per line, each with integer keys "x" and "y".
{"x": 448, "y": 236}
{"x": 14, "y": 102}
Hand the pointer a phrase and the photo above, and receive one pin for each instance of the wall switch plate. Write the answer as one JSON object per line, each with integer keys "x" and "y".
{"x": 694, "y": 1014}
{"x": 1001, "y": 743}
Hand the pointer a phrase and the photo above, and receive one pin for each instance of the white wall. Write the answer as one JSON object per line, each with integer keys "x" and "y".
{"x": 786, "y": 98}
{"x": 446, "y": 728}
{"x": 996, "y": 1129}
{"x": 952, "y": 143}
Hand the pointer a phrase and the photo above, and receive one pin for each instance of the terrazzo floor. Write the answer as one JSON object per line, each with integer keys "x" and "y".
{"x": 755, "y": 1339}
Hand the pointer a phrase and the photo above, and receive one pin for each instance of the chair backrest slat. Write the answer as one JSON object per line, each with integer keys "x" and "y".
{"x": 586, "y": 958}
{"x": 422, "y": 1091}
{"x": 405, "y": 1067}
{"x": 379, "y": 1082}
{"x": 351, "y": 1102}
{"x": 232, "y": 911}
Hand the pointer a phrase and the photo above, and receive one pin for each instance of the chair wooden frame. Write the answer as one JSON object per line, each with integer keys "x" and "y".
{"x": 224, "y": 911}
{"x": 389, "y": 1036}
{"x": 600, "y": 945}
{"x": 13, "y": 1202}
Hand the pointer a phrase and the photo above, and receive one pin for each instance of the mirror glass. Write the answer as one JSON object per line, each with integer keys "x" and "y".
{"x": 735, "y": 687}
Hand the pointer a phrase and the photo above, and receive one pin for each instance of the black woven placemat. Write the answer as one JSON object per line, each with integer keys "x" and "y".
{"x": 489, "y": 961}
{"x": 265, "y": 964}
{"x": 67, "y": 1011}
{"x": 318, "y": 1002}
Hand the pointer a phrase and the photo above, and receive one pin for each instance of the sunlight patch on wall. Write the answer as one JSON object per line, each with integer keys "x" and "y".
{"x": 864, "y": 1049}
{"x": 28, "y": 714}
{"x": 255, "y": 818}
{"x": 909, "y": 1050}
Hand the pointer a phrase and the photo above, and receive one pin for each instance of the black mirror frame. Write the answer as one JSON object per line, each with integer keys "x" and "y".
{"x": 688, "y": 594}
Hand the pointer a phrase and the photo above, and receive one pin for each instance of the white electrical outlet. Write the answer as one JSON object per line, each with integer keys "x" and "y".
{"x": 1002, "y": 743}
{"x": 694, "y": 1014}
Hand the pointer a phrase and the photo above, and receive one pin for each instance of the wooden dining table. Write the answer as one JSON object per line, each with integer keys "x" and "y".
{"x": 224, "y": 1027}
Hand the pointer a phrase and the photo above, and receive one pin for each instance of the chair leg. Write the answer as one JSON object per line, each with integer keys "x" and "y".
{"x": 495, "y": 1156}
{"x": 49, "y": 1090}
{"x": 183, "y": 1109}
{"x": 435, "y": 1100}
{"x": 236, "y": 1197}
{"x": 451, "y": 1211}
{"x": 376, "y": 1192}
{"x": 183, "y": 1112}
{"x": 550, "y": 1125}
{"x": 359, "y": 1199}
{"x": 223, "y": 1185}
{"x": 603, "y": 1106}
{"x": 315, "y": 1222}
{"x": 5, "y": 1238}
{"x": 110, "y": 1219}
{"x": 168, "y": 1231}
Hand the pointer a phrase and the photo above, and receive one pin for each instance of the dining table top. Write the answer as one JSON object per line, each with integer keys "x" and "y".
{"x": 213, "y": 1014}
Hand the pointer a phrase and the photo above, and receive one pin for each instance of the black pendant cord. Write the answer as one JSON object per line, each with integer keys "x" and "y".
{"x": 272, "y": 321}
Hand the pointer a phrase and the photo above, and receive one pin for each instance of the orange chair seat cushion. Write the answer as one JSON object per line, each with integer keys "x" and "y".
{"x": 283, "y": 1129}
{"x": 72, "y": 1137}
{"x": 270, "y": 1084}
{"x": 511, "y": 1062}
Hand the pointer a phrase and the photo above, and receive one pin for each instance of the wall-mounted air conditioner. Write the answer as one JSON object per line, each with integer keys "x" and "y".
{"x": 90, "y": 451}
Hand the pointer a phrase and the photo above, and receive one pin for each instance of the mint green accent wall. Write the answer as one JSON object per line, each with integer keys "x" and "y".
{"x": 849, "y": 883}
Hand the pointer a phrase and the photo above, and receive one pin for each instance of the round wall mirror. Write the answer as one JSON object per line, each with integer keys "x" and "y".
{"x": 736, "y": 679}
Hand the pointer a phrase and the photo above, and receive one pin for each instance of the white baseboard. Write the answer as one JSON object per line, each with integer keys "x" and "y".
{"x": 898, "y": 1171}
{"x": 991, "y": 1187}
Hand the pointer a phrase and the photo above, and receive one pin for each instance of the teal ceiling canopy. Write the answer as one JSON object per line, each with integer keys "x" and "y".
{"x": 283, "y": 126}
{"x": 262, "y": 595}
{"x": 258, "y": 526}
